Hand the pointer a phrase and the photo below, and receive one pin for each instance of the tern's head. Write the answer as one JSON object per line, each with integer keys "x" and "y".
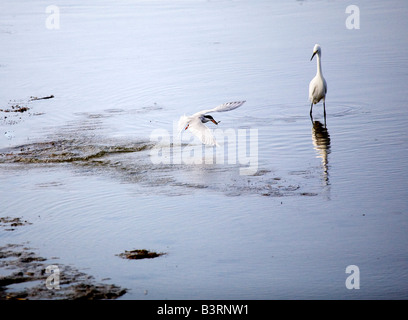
{"x": 206, "y": 118}
{"x": 316, "y": 50}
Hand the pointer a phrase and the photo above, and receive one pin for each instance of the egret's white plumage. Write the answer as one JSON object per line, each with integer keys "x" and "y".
{"x": 318, "y": 85}
{"x": 195, "y": 123}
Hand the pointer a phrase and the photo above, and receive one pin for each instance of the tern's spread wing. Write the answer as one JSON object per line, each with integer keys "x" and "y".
{"x": 223, "y": 107}
{"x": 228, "y": 106}
{"x": 182, "y": 123}
{"x": 198, "y": 129}
{"x": 202, "y": 132}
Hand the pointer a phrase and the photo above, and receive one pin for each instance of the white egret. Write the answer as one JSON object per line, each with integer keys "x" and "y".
{"x": 318, "y": 85}
{"x": 195, "y": 123}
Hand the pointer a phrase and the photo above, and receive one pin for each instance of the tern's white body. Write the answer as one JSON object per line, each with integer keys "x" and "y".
{"x": 195, "y": 123}
{"x": 318, "y": 85}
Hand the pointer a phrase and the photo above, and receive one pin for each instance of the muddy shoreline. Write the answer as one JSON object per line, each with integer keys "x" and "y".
{"x": 24, "y": 275}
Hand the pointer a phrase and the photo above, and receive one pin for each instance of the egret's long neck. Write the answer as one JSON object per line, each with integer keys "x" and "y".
{"x": 319, "y": 65}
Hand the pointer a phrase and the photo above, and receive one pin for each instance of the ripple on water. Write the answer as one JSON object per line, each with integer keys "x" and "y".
{"x": 130, "y": 162}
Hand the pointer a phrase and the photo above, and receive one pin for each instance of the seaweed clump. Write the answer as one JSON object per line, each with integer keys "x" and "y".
{"x": 140, "y": 254}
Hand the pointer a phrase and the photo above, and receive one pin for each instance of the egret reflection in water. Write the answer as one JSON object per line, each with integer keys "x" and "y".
{"x": 321, "y": 142}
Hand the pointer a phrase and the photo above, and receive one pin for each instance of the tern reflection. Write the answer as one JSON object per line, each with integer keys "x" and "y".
{"x": 321, "y": 142}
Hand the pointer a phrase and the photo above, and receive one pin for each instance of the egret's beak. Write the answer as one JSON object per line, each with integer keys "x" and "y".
{"x": 213, "y": 121}
{"x": 187, "y": 127}
{"x": 313, "y": 55}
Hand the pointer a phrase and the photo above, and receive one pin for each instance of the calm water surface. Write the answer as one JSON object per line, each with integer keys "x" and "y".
{"x": 79, "y": 166}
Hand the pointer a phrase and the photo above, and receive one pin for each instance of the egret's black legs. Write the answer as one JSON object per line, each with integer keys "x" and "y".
{"x": 311, "y": 117}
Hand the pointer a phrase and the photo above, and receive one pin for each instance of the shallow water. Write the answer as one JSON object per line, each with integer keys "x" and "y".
{"x": 80, "y": 166}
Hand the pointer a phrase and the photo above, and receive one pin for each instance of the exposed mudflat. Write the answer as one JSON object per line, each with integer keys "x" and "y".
{"x": 27, "y": 279}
